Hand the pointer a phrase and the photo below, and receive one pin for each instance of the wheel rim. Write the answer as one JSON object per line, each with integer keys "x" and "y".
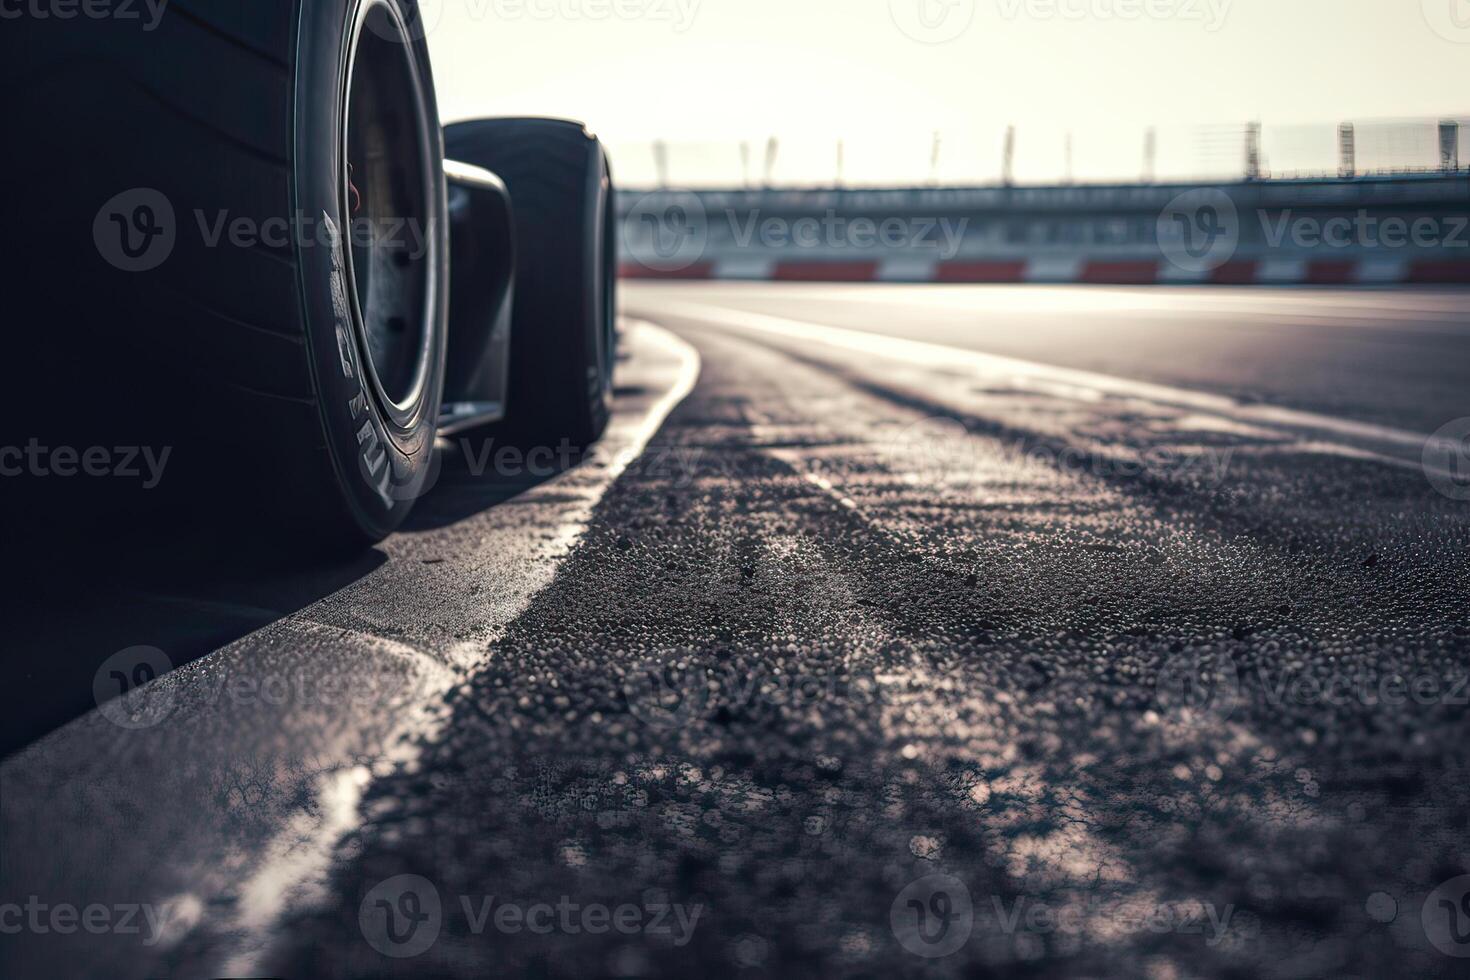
{"x": 387, "y": 192}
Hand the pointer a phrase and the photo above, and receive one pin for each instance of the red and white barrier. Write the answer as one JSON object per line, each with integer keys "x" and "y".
{"x": 1079, "y": 269}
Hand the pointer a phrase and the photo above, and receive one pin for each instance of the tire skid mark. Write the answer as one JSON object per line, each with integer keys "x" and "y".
{"x": 257, "y": 771}
{"x": 1072, "y": 853}
{"x": 294, "y": 876}
{"x": 919, "y": 365}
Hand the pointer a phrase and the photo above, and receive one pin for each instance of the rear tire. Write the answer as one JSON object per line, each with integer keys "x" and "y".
{"x": 295, "y": 376}
{"x": 563, "y": 338}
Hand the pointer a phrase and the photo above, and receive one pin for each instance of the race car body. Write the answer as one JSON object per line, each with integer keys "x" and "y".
{"x": 246, "y": 244}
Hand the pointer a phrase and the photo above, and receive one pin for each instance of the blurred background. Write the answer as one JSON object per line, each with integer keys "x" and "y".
{"x": 1100, "y": 141}
{"x": 732, "y": 93}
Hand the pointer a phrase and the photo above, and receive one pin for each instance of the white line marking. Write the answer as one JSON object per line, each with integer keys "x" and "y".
{"x": 684, "y": 382}
{"x": 1282, "y": 271}
{"x": 1383, "y": 270}
{"x": 1068, "y": 269}
{"x": 908, "y": 269}
{"x": 745, "y": 268}
{"x": 1403, "y": 447}
{"x": 297, "y": 861}
{"x": 251, "y": 880}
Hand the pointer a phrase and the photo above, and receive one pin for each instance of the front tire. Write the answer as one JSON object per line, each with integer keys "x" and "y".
{"x": 563, "y": 338}
{"x": 288, "y": 344}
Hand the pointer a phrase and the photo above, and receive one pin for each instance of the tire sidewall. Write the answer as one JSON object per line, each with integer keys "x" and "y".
{"x": 382, "y": 466}
{"x": 599, "y": 281}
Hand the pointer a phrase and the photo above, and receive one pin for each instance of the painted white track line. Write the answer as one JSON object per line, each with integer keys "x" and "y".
{"x": 224, "y": 814}
{"x": 1393, "y": 446}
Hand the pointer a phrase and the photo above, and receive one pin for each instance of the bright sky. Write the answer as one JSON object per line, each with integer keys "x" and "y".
{"x": 884, "y": 75}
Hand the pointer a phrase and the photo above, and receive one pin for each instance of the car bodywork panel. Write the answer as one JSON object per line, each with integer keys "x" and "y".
{"x": 482, "y": 268}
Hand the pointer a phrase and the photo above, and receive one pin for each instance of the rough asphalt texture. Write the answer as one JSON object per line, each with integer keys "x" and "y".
{"x": 861, "y": 670}
{"x": 835, "y": 660}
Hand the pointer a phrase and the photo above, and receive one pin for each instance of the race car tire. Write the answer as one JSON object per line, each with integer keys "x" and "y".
{"x": 563, "y": 337}
{"x": 241, "y": 251}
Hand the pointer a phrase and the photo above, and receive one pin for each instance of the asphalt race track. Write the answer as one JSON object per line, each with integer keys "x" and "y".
{"x": 892, "y": 631}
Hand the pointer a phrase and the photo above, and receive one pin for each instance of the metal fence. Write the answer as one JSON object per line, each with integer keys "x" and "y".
{"x": 1059, "y": 156}
{"x": 1368, "y": 230}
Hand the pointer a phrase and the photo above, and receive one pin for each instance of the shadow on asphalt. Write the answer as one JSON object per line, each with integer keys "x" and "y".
{"x": 100, "y": 586}
{"x": 473, "y": 477}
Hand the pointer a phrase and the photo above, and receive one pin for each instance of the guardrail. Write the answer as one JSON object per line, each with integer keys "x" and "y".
{"x": 1080, "y": 151}
{"x": 1374, "y": 230}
